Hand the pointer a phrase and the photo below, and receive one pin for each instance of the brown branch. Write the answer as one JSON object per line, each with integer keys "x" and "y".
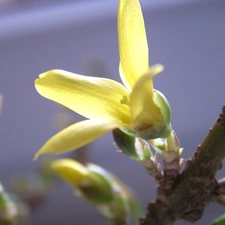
{"x": 219, "y": 193}
{"x": 195, "y": 187}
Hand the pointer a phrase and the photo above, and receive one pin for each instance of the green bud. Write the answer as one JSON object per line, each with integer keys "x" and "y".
{"x": 124, "y": 205}
{"x": 125, "y": 143}
{"x": 4, "y": 198}
{"x": 143, "y": 150}
{"x": 135, "y": 148}
{"x": 169, "y": 149}
{"x": 12, "y": 211}
{"x": 219, "y": 221}
{"x": 90, "y": 185}
{"x": 171, "y": 143}
{"x": 99, "y": 189}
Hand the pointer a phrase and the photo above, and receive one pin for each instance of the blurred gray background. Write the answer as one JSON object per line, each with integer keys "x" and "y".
{"x": 186, "y": 36}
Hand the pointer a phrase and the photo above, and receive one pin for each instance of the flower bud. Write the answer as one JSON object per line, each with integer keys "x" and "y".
{"x": 171, "y": 143}
{"x": 169, "y": 149}
{"x": 89, "y": 185}
{"x": 12, "y": 210}
{"x": 219, "y": 221}
{"x": 125, "y": 143}
{"x": 136, "y": 148}
{"x": 99, "y": 187}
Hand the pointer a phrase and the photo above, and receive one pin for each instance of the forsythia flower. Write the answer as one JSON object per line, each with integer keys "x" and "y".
{"x": 135, "y": 108}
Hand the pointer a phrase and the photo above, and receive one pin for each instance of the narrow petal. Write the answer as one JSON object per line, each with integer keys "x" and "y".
{"x": 71, "y": 171}
{"x": 143, "y": 108}
{"x": 133, "y": 46}
{"x": 77, "y": 135}
{"x": 91, "y": 97}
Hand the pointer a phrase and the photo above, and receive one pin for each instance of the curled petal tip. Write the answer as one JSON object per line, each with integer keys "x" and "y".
{"x": 155, "y": 69}
{"x": 37, "y": 155}
{"x": 42, "y": 75}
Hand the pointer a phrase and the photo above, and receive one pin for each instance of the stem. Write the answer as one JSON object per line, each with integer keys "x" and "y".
{"x": 195, "y": 186}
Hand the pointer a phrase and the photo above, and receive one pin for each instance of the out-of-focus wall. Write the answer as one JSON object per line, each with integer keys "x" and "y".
{"x": 187, "y": 38}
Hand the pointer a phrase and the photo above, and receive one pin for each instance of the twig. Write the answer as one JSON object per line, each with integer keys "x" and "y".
{"x": 195, "y": 187}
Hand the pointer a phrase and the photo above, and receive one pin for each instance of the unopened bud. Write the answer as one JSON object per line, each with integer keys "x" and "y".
{"x": 89, "y": 185}
{"x": 219, "y": 221}
{"x": 12, "y": 211}
{"x": 125, "y": 143}
{"x": 101, "y": 188}
{"x": 136, "y": 148}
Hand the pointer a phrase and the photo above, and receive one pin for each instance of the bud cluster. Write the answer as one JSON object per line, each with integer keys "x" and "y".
{"x": 12, "y": 211}
{"x": 100, "y": 188}
{"x": 139, "y": 149}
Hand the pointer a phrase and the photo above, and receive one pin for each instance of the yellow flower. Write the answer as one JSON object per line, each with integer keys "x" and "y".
{"x": 135, "y": 108}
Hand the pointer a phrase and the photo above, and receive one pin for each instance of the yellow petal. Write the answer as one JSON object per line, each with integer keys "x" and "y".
{"x": 77, "y": 135}
{"x": 71, "y": 171}
{"x": 91, "y": 97}
{"x": 143, "y": 108}
{"x": 133, "y": 46}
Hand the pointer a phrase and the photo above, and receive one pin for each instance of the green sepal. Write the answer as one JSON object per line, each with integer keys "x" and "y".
{"x": 158, "y": 130}
{"x": 164, "y": 106}
{"x": 129, "y": 132}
